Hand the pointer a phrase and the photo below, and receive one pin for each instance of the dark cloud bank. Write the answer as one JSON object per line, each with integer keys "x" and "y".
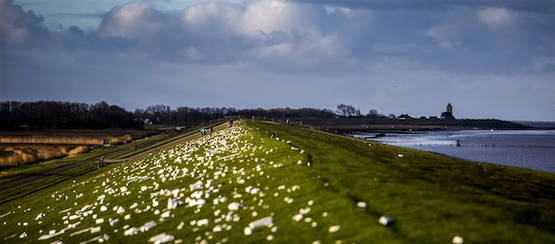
{"x": 489, "y": 58}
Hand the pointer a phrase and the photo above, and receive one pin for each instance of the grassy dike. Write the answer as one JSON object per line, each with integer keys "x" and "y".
{"x": 309, "y": 183}
{"x": 432, "y": 196}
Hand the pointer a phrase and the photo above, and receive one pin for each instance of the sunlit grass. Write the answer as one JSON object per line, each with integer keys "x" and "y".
{"x": 311, "y": 183}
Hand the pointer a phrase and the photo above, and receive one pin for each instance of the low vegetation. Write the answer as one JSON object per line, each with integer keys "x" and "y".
{"x": 266, "y": 182}
{"x": 17, "y": 154}
{"x": 75, "y": 139}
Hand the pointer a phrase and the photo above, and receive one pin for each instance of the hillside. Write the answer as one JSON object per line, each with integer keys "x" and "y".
{"x": 263, "y": 181}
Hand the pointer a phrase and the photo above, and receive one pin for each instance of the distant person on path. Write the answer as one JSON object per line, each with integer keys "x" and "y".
{"x": 101, "y": 160}
{"x": 458, "y": 143}
{"x": 230, "y": 123}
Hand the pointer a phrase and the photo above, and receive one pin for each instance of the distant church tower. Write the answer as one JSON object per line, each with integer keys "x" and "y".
{"x": 448, "y": 114}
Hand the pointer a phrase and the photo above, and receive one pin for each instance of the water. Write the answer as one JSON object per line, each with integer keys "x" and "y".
{"x": 534, "y": 149}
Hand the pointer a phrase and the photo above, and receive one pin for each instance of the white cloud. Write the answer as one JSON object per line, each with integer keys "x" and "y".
{"x": 253, "y": 52}
{"x": 443, "y": 35}
{"x": 133, "y": 20}
{"x": 495, "y": 16}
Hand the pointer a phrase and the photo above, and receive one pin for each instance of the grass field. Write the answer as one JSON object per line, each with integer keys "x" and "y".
{"x": 265, "y": 182}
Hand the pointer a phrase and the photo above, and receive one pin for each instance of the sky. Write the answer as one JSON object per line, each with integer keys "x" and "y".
{"x": 489, "y": 58}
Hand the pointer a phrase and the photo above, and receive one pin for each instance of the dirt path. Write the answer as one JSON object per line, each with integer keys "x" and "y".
{"x": 62, "y": 169}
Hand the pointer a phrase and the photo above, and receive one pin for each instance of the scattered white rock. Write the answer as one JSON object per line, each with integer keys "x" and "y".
{"x": 458, "y": 240}
{"x": 40, "y": 216}
{"x": 131, "y": 231}
{"x": 166, "y": 214}
{"x": 247, "y": 231}
{"x": 361, "y": 204}
{"x": 161, "y": 238}
{"x": 334, "y": 228}
{"x": 120, "y": 210}
{"x": 202, "y": 222}
{"x": 217, "y": 228}
{"x": 147, "y": 226}
{"x": 234, "y": 206}
{"x": 263, "y": 222}
{"x": 95, "y": 230}
{"x": 114, "y": 222}
{"x": 385, "y": 220}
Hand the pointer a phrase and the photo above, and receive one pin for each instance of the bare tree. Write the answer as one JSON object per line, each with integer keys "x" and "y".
{"x": 347, "y": 110}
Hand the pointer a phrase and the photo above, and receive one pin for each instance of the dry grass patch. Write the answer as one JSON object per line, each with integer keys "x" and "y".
{"x": 17, "y": 154}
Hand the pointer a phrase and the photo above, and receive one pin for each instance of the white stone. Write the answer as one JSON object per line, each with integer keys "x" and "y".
{"x": 334, "y": 228}
{"x": 266, "y": 221}
{"x": 234, "y": 206}
{"x": 196, "y": 202}
{"x": 95, "y": 230}
{"x": 40, "y": 216}
{"x": 120, "y": 210}
{"x": 361, "y": 204}
{"x": 202, "y": 222}
{"x": 131, "y": 231}
{"x": 173, "y": 203}
{"x": 458, "y": 240}
{"x": 385, "y": 220}
{"x": 166, "y": 214}
{"x": 161, "y": 238}
{"x": 196, "y": 185}
{"x": 114, "y": 222}
{"x": 297, "y": 217}
{"x": 147, "y": 226}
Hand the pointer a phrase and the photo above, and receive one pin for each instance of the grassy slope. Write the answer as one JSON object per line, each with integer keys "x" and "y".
{"x": 431, "y": 197}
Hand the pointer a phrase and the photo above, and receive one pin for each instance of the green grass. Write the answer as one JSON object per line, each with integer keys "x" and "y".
{"x": 431, "y": 197}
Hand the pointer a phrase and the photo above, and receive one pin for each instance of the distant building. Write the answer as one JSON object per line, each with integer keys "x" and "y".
{"x": 448, "y": 114}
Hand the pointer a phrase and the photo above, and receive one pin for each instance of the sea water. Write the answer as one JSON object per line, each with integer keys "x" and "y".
{"x": 534, "y": 149}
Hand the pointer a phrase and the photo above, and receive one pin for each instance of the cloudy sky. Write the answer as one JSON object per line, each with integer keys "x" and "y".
{"x": 490, "y": 58}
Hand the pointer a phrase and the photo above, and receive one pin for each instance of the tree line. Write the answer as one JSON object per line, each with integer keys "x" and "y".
{"x": 73, "y": 115}
{"x": 64, "y": 115}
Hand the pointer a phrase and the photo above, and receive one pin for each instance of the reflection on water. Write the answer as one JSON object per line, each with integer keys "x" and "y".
{"x": 533, "y": 149}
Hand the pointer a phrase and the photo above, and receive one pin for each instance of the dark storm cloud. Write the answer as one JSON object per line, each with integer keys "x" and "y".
{"x": 18, "y": 26}
{"x": 479, "y": 53}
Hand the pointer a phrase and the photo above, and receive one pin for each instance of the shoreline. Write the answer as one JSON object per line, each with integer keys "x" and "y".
{"x": 513, "y": 148}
